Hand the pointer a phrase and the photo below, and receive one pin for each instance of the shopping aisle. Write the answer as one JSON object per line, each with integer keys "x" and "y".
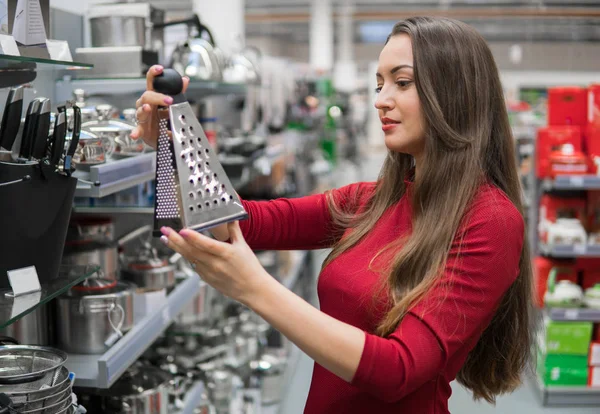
{"x": 524, "y": 400}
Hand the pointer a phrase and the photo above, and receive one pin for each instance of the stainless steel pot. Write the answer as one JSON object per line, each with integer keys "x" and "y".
{"x": 114, "y": 130}
{"x": 140, "y": 390}
{"x": 91, "y": 229}
{"x": 198, "y": 310}
{"x": 91, "y": 321}
{"x": 88, "y": 252}
{"x": 31, "y": 329}
{"x": 152, "y": 273}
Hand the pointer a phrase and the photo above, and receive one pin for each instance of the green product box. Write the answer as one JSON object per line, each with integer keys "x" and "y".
{"x": 566, "y": 338}
{"x": 562, "y": 370}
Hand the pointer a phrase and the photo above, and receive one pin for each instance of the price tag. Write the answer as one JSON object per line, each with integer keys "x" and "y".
{"x": 580, "y": 248}
{"x": 572, "y": 314}
{"x": 576, "y": 181}
{"x": 23, "y": 281}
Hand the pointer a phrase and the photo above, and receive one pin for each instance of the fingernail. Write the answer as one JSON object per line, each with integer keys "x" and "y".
{"x": 184, "y": 233}
{"x": 158, "y": 68}
{"x": 166, "y": 231}
{"x": 186, "y": 77}
{"x": 168, "y": 100}
{"x": 146, "y": 107}
{"x": 164, "y": 240}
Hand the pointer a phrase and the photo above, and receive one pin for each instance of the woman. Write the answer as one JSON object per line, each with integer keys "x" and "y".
{"x": 429, "y": 278}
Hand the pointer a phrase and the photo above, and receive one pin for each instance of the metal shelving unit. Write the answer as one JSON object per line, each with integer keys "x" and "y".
{"x": 116, "y": 176}
{"x": 134, "y": 86}
{"x": 574, "y": 314}
{"x": 568, "y": 251}
{"x": 572, "y": 182}
{"x": 299, "y": 259}
{"x": 101, "y": 371}
{"x": 192, "y": 398}
{"x": 565, "y": 396}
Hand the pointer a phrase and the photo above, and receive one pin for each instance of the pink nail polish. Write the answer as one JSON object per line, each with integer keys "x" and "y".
{"x": 164, "y": 240}
{"x": 158, "y": 68}
{"x": 184, "y": 233}
{"x": 168, "y": 100}
{"x": 166, "y": 231}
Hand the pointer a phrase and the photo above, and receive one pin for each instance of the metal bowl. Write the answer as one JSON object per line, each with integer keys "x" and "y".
{"x": 24, "y": 363}
{"x": 60, "y": 406}
{"x": 31, "y": 391}
{"x": 48, "y": 401}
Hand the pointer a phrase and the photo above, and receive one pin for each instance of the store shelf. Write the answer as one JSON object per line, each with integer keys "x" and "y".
{"x": 566, "y": 396}
{"x": 568, "y": 251}
{"x": 113, "y": 210}
{"x": 573, "y": 314}
{"x": 101, "y": 371}
{"x": 7, "y": 61}
{"x": 293, "y": 275}
{"x": 12, "y": 309}
{"x": 115, "y": 176}
{"x": 259, "y": 165}
{"x": 572, "y": 182}
{"x": 135, "y": 86}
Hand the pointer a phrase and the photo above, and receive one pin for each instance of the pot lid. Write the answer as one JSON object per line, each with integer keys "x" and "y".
{"x": 105, "y": 123}
{"x": 145, "y": 263}
{"x": 95, "y": 284}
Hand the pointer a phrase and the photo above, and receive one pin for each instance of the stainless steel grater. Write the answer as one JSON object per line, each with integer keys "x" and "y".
{"x": 192, "y": 189}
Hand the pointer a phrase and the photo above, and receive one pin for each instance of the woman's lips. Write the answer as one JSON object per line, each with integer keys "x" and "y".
{"x": 389, "y": 127}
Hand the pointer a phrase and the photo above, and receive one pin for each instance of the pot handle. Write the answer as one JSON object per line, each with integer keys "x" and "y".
{"x": 551, "y": 285}
{"x": 135, "y": 234}
{"x": 193, "y": 21}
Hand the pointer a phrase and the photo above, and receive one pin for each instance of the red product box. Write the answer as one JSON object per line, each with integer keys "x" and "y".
{"x": 568, "y": 106}
{"x": 594, "y": 105}
{"x": 550, "y": 139}
{"x": 594, "y": 355}
{"x": 553, "y": 207}
{"x": 541, "y": 271}
{"x": 594, "y": 377}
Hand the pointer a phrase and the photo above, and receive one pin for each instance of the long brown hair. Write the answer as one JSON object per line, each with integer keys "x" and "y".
{"x": 468, "y": 142}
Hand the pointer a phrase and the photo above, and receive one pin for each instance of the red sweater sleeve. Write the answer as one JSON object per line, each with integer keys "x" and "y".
{"x": 455, "y": 312}
{"x": 296, "y": 223}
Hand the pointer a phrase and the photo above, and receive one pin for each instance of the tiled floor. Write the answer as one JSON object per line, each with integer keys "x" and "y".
{"x": 524, "y": 400}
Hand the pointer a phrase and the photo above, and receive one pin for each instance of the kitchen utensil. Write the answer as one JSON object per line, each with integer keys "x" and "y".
{"x": 192, "y": 189}
{"x": 92, "y": 321}
{"x": 11, "y": 118}
{"x": 75, "y": 134}
{"x": 84, "y": 252}
{"x": 564, "y": 294}
{"x": 58, "y": 138}
{"x": 31, "y": 329}
{"x": 592, "y": 297}
{"x": 143, "y": 266}
{"x": 38, "y": 390}
{"x": 98, "y": 229}
{"x": 25, "y": 363}
{"x": 109, "y": 128}
{"x": 29, "y": 129}
{"x": 92, "y": 150}
{"x": 40, "y": 140}
{"x": 140, "y": 390}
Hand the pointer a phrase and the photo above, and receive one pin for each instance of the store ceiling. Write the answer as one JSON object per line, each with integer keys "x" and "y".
{"x": 499, "y": 20}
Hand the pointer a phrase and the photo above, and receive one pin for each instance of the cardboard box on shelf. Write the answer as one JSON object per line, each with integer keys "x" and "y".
{"x": 541, "y": 270}
{"x": 552, "y": 138}
{"x": 562, "y": 370}
{"x": 553, "y": 207}
{"x": 29, "y": 23}
{"x": 566, "y": 338}
{"x": 568, "y": 105}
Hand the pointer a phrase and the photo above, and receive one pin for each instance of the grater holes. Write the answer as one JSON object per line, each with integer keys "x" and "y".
{"x": 191, "y": 208}
{"x": 199, "y": 206}
{"x": 207, "y": 204}
{"x": 231, "y": 197}
{"x": 216, "y": 202}
{"x": 182, "y": 118}
{"x": 191, "y": 128}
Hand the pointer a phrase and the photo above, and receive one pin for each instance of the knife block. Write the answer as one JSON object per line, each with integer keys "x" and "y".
{"x": 34, "y": 217}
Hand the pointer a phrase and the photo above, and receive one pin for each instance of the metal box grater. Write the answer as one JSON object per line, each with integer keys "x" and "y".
{"x": 192, "y": 189}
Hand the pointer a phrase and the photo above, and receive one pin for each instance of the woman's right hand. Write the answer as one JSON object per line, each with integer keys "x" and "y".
{"x": 147, "y": 106}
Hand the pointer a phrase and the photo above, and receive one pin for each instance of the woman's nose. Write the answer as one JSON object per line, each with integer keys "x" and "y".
{"x": 384, "y": 101}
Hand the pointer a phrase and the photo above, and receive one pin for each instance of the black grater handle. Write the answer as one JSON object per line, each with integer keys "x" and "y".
{"x": 169, "y": 82}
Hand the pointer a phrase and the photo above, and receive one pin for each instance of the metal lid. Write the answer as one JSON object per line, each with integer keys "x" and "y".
{"x": 105, "y": 123}
{"x": 95, "y": 284}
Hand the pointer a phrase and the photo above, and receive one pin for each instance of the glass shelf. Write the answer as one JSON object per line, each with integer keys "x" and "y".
{"x": 10, "y": 62}
{"x": 12, "y": 309}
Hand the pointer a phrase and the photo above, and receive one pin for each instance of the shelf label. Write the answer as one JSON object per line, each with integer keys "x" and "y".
{"x": 572, "y": 314}
{"x": 24, "y": 280}
{"x": 576, "y": 181}
{"x": 580, "y": 248}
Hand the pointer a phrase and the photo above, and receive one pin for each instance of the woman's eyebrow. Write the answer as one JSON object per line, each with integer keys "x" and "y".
{"x": 395, "y": 69}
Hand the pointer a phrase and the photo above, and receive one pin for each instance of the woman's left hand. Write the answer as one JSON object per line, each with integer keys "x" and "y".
{"x": 233, "y": 269}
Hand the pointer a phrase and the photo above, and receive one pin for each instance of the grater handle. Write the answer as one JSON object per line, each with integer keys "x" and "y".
{"x": 169, "y": 82}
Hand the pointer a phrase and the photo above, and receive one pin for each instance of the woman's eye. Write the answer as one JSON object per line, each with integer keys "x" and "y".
{"x": 403, "y": 83}
{"x": 378, "y": 89}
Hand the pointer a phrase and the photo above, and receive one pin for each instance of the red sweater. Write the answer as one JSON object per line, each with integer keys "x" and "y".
{"x": 410, "y": 370}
